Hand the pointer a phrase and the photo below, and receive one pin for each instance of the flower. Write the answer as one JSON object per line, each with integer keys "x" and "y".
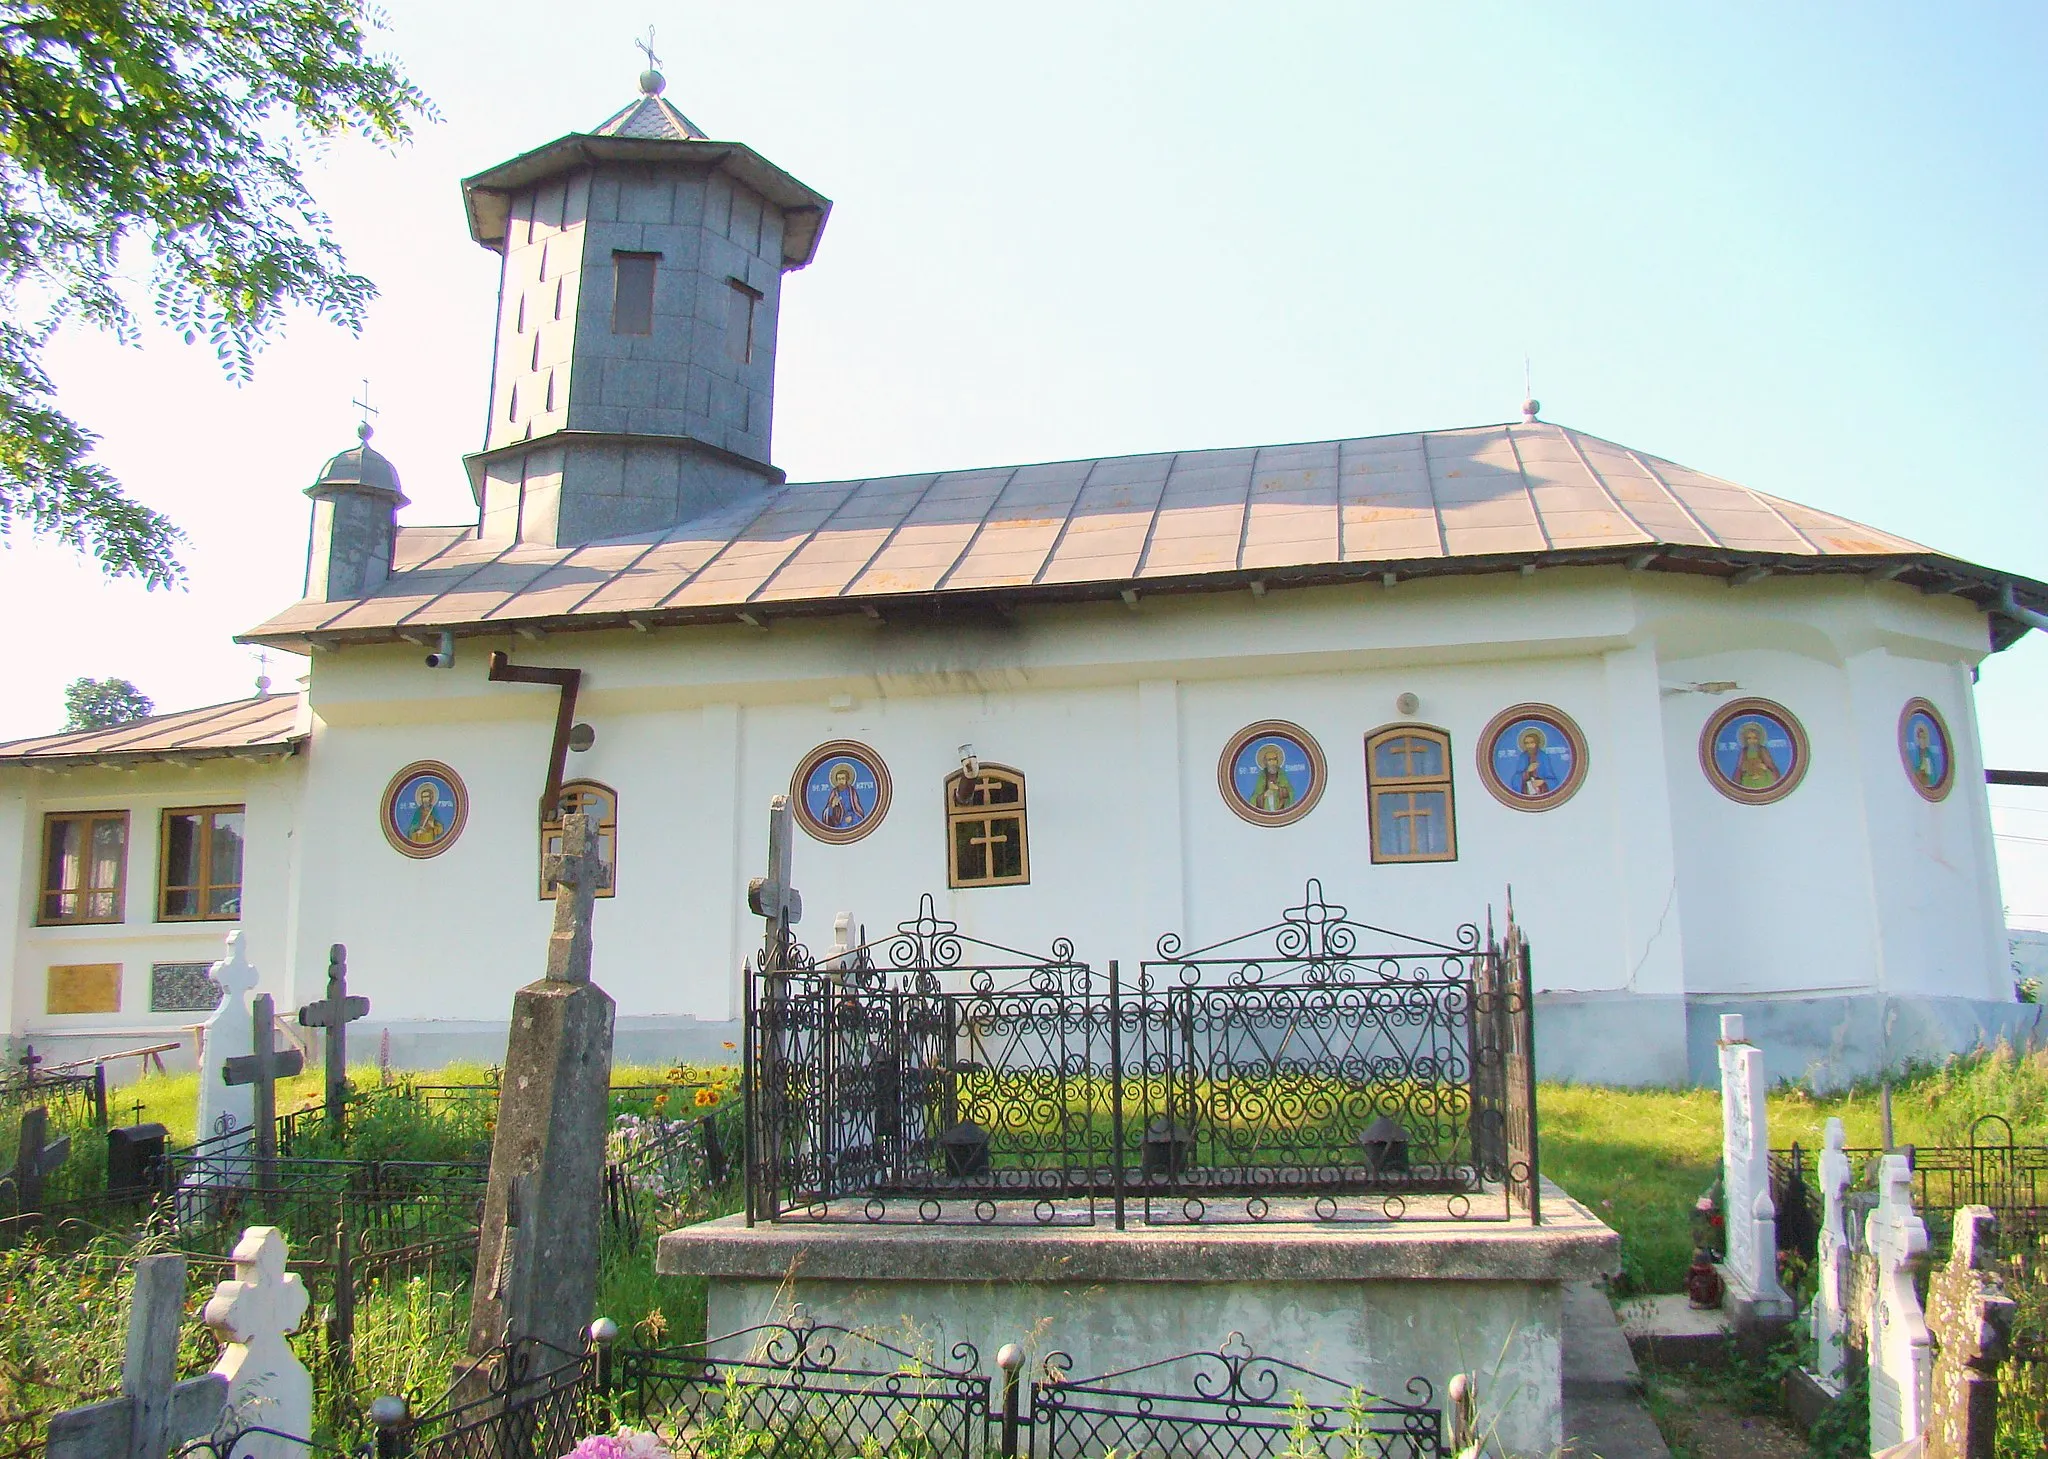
{"x": 729, "y": 1044}
{"x": 706, "y": 1097}
{"x": 661, "y": 1100}
{"x": 625, "y": 1444}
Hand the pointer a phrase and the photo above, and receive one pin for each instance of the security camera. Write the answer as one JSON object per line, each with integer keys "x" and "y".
{"x": 444, "y": 656}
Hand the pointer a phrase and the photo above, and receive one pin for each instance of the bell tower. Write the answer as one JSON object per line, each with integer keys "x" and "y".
{"x": 633, "y": 379}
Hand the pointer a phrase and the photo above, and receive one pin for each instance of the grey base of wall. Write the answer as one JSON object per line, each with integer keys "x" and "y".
{"x": 1824, "y": 1042}
{"x": 644, "y": 1039}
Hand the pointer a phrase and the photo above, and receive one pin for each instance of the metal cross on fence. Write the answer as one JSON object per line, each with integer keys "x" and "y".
{"x": 155, "y": 1412}
{"x": 335, "y": 1013}
{"x": 36, "y": 1159}
{"x": 29, "y": 1059}
{"x": 577, "y": 874}
{"x": 773, "y": 896}
{"x": 263, "y": 1069}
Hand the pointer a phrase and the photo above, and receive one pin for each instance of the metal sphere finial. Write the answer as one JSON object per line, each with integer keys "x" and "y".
{"x": 364, "y": 431}
{"x": 1529, "y": 409}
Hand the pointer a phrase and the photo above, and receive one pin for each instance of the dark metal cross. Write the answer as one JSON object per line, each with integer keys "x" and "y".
{"x": 577, "y": 874}
{"x": 362, "y": 403}
{"x": 772, "y": 896}
{"x": 646, "y": 49}
{"x": 29, "y": 1059}
{"x": 263, "y": 1069}
{"x": 36, "y": 1159}
{"x": 335, "y": 1013}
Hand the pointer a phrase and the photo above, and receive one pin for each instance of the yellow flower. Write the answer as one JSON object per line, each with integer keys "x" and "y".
{"x": 661, "y": 1100}
{"x": 706, "y": 1097}
{"x": 730, "y": 1044}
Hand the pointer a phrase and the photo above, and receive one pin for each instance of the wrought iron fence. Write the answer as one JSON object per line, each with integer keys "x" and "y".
{"x": 1231, "y": 1404}
{"x": 523, "y": 1400}
{"x": 1318, "y": 1069}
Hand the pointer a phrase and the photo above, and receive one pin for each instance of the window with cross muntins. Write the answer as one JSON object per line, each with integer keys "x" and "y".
{"x": 1408, "y": 788}
{"x": 985, "y": 829}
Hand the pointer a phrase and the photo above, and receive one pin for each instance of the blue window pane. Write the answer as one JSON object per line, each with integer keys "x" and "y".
{"x": 1413, "y": 823}
{"x": 1406, "y": 757}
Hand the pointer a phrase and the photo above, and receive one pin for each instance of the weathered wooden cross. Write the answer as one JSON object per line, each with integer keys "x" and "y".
{"x": 155, "y": 1413}
{"x": 577, "y": 873}
{"x": 263, "y": 1069}
{"x": 335, "y": 1013}
{"x": 1970, "y": 1317}
{"x": 36, "y": 1159}
{"x": 773, "y": 896}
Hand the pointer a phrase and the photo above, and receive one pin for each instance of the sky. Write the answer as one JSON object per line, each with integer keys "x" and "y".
{"x": 1799, "y": 247}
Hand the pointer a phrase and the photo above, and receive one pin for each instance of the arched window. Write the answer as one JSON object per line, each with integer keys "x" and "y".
{"x": 985, "y": 835}
{"x": 1408, "y": 793}
{"x": 601, "y": 804}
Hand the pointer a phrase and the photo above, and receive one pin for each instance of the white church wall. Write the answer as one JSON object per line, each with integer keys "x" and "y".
{"x": 269, "y": 792}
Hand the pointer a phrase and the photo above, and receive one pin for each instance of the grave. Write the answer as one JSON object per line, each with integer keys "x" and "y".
{"x": 36, "y": 1158}
{"x": 260, "y": 1070}
{"x": 1756, "y": 1302}
{"x": 950, "y": 1144}
{"x": 155, "y": 1411}
{"x": 1900, "y": 1348}
{"x": 226, "y": 1109}
{"x": 334, "y": 1014}
{"x": 268, "y": 1388}
{"x": 1970, "y": 1318}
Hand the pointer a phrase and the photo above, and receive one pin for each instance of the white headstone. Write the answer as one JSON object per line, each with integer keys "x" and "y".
{"x": 225, "y": 1108}
{"x": 268, "y": 1387}
{"x": 1901, "y": 1354}
{"x": 842, "y": 942}
{"x": 1751, "y": 1269}
{"x": 1831, "y": 1300}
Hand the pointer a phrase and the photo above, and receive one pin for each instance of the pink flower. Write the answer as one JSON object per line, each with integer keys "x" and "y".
{"x": 625, "y": 1444}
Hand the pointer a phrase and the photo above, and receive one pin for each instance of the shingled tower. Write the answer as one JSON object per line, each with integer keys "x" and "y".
{"x": 634, "y": 376}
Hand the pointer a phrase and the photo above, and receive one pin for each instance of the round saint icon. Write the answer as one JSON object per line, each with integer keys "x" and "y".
{"x": 1754, "y": 751}
{"x": 1271, "y": 773}
{"x": 424, "y": 809}
{"x": 840, "y": 791}
{"x": 1532, "y": 757}
{"x": 1924, "y": 746}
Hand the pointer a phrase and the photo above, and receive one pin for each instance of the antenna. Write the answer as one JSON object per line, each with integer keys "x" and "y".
{"x": 364, "y": 430}
{"x": 1530, "y": 404}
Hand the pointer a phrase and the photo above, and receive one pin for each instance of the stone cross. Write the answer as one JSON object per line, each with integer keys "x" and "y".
{"x": 268, "y": 1387}
{"x": 223, "y": 1107}
{"x": 576, "y": 875}
{"x": 36, "y": 1159}
{"x": 262, "y": 1069}
{"x": 1900, "y": 1351}
{"x": 335, "y": 1013}
{"x": 1971, "y": 1320}
{"x": 155, "y": 1412}
{"x": 1831, "y": 1301}
{"x": 1751, "y": 1269}
{"x": 775, "y": 896}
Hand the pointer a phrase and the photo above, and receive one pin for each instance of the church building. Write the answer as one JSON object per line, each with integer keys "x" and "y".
{"x": 1722, "y": 747}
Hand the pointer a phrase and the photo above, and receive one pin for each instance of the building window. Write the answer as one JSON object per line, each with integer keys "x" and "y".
{"x": 1408, "y": 790}
{"x": 199, "y": 875}
{"x": 985, "y": 835}
{"x": 633, "y": 293}
{"x": 739, "y": 321}
{"x": 85, "y": 867}
{"x": 601, "y": 804}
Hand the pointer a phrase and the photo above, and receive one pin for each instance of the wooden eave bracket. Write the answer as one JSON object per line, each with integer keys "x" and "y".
{"x": 569, "y": 681}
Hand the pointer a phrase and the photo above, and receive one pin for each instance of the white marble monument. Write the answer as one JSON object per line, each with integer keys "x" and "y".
{"x": 1831, "y": 1301}
{"x": 268, "y": 1387}
{"x": 226, "y": 1108}
{"x": 1901, "y": 1352}
{"x": 1751, "y": 1267}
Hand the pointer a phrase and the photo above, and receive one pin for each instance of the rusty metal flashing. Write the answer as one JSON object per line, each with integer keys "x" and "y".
{"x": 569, "y": 681}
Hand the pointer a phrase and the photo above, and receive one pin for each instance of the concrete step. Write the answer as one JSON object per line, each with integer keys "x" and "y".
{"x": 1604, "y": 1413}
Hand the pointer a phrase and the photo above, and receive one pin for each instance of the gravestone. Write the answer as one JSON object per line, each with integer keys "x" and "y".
{"x": 36, "y": 1158}
{"x": 839, "y": 958}
{"x": 1751, "y": 1268}
{"x": 225, "y": 1108}
{"x": 335, "y": 1013}
{"x": 1970, "y": 1318}
{"x": 774, "y": 897}
{"x": 536, "y": 1266}
{"x": 261, "y": 1069}
{"x": 1834, "y": 1265}
{"x": 155, "y": 1412}
{"x": 1901, "y": 1355}
{"x": 268, "y": 1387}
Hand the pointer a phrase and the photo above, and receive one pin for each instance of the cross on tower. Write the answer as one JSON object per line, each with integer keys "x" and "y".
{"x": 335, "y": 1013}
{"x": 773, "y": 896}
{"x": 362, "y": 403}
{"x": 263, "y": 1069}
{"x": 577, "y": 873}
{"x": 646, "y": 49}
{"x": 36, "y": 1158}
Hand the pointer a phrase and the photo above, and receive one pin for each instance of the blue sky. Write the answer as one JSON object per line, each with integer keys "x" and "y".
{"x": 1800, "y": 247}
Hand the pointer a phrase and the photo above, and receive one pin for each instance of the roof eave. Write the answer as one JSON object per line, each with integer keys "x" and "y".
{"x": 132, "y": 759}
{"x": 487, "y": 195}
{"x": 1936, "y": 574}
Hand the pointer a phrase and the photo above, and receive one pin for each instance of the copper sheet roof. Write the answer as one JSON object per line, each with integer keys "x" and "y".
{"x": 1487, "y": 498}
{"x": 264, "y": 726}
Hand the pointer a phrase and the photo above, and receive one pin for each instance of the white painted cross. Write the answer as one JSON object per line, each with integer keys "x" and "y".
{"x": 1752, "y": 1265}
{"x": 223, "y": 1107}
{"x": 1831, "y": 1301}
{"x": 774, "y": 896}
{"x": 576, "y": 875}
{"x": 155, "y": 1412}
{"x": 1901, "y": 1354}
{"x": 268, "y": 1387}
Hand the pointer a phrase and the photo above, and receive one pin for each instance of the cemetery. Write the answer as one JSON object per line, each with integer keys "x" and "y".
{"x": 1292, "y": 1193}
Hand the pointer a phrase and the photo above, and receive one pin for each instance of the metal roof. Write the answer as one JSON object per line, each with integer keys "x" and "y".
{"x": 264, "y": 727}
{"x": 1484, "y": 499}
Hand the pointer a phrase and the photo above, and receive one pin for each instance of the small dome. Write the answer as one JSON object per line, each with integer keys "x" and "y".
{"x": 360, "y": 466}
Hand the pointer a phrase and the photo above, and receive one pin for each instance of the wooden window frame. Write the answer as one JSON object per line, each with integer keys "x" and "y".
{"x": 203, "y": 887}
{"x": 45, "y": 892}
{"x": 607, "y": 836}
{"x": 958, "y": 813}
{"x": 1378, "y": 786}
